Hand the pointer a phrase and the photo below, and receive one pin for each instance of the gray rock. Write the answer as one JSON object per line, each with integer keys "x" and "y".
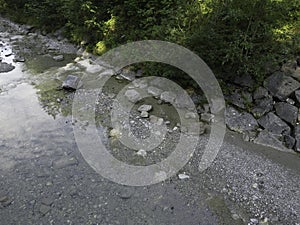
{"x": 126, "y": 192}
{"x": 280, "y": 85}
{"x": 6, "y": 67}
{"x": 240, "y": 99}
{"x": 156, "y": 92}
{"x": 47, "y": 201}
{"x": 140, "y": 83}
{"x": 289, "y": 141}
{"x": 144, "y": 114}
{"x": 296, "y": 74}
{"x": 44, "y": 209}
{"x": 145, "y": 108}
{"x": 297, "y": 138}
{"x": 5, "y": 200}
{"x": 240, "y": 122}
{"x": 58, "y": 58}
{"x": 244, "y": 80}
{"x": 127, "y": 75}
{"x": 268, "y": 139}
{"x": 184, "y": 101}
{"x": 168, "y": 96}
{"x": 133, "y": 96}
{"x": 297, "y": 95}
{"x": 274, "y": 124}
{"x": 289, "y": 67}
{"x": 207, "y": 117}
{"x": 64, "y": 162}
{"x": 287, "y": 112}
{"x": 19, "y": 59}
{"x": 190, "y": 115}
{"x": 262, "y": 106}
{"x": 260, "y": 92}
{"x": 71, "y": 82}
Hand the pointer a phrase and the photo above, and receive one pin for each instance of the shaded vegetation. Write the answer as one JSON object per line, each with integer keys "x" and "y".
{"x": 233, "y": 36}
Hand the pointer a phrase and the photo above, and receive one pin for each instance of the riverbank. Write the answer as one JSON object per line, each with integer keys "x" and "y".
{"x": 45, "y": 180}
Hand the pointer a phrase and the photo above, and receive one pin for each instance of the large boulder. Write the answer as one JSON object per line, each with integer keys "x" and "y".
{"x": 262, "y": 106}
{"x": 280, "y": 85}
{"x": 240, "y": 122}
{"x": 287, "y": 112}
{"x": 274, "y": 124}
{"x": 268, "y": 139}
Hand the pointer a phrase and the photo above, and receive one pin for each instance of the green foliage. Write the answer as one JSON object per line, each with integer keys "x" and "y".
{"x": 232, "y": 36}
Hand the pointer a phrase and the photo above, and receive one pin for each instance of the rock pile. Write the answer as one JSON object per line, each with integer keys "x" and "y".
{"x": 273, "y": 115}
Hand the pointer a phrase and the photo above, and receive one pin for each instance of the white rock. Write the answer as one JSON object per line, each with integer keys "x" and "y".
{"x": 133, "y": 95}
{"x": 142, "y": 153}
{"x": 144, "y": 114}
{"x": 145, "y": 108}
{"x": 183, "y": 176}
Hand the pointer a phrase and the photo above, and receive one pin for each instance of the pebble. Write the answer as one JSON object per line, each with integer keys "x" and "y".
{"x": 144, "y": 114}
{"x": 142, "y": 153}
{"x": 64, "y": 162}
{"x": 58, "y": 58}
{"x": 114, "y": 133}
{"x": 183, "y": 176}
{"x": 44, "y": 209}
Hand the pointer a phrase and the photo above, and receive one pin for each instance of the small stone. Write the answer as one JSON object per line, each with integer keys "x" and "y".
{"x": 156, "y": 92}
{"x": 127, "y": 75}
{"x": 145, "y": 108}
{"x": 126, "y": 192}
{"x": 207, "y": 117}
{"x": 5, "y": 67}
{"x": 290, "y": 101}
{"x": 47, "y": 201}
{"x": 133, "y": 96}
{"x": 64, "y": 162}
{"x": 190, "y": 115}
{"x": 19, "y": 59}
{"x": 5, "y": 201}
{"x": 156, "y": 120}
{"x": 71, "y": 82}
{"x": 44, "y": 209}
{"x": 260, "y": 92}
{"x": 167, "y": 122}
{"x": 140, "y": 83}
{"x": 168, "y": 97}
{"x": 254, "y": 221}
{"x": 4, "y": 198}
{"x": 114, "y": 133}
{"x": 183, "y": 176}
{"x": 144, "y": 114}
{"x": 235, "y": 216}
{"x": 58, "y": 58}
{"x": 142, "y": 153}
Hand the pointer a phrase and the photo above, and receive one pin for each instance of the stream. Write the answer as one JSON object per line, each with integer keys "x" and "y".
{"x": 44, "y": 179}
